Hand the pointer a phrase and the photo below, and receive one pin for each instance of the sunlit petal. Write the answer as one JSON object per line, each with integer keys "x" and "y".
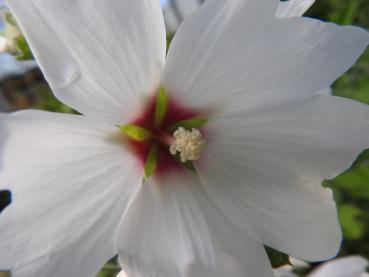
{"x": 265, "y": 171}
{"x": 100, "y": 57}
{"x": 70, "y": 182}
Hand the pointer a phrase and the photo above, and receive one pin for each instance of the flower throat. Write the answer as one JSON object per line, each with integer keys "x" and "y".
{"x": 166, "y": 136}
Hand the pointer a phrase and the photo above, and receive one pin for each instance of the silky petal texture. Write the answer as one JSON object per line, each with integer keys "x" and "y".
{"x": 70, "y": 181}
{"x": 265, "y": 171}
{"x": 100, "y": 57}
{"x": 293, "y": 7}
{"x": 214, "y": 64}
{"x": 289, "y": 8}
{"x": 354, "y": 266}
{"x": 297, "y": 8}
{"x": 172, "y": 230}
{"x": 175, "y": 12}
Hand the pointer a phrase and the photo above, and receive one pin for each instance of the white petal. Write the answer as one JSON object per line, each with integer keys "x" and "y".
{"x": 176, "y": 11}
{"x": 284, "y": 271}
{"x": 70, "y": 182}
{"x": 248, "y": 262}
{"x": 265, "y": 171}
{"x": 212, "y": 62}
{"x": 171, "y": 230}
{"x": 352, "y": 266}
{"x": 298, "y": 263}
{"x": 100, "y": 57}
{"x": 187, "y": 7}
{"x": 171, "y": 20}
{"x": 122, "y": 274}
{"x": 293, "y": 7}
{"x": 326, "y": 91}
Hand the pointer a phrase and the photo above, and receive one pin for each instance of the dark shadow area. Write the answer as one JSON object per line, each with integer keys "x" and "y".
{"x": 5, "y": 199}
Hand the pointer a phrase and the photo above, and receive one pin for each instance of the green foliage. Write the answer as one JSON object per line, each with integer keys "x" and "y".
{"x": 45, "y": 100}
{"x": 24, "y": 52}
{"x": 351, "y": 188}
{"x": 354, "y": 183}
{"x": 19, "y": 48}
{"x": 111, "y": 269}
{"x": 351, "y": 218}
{"x": 276, "y": 258}
{"x": 9, "y": 19}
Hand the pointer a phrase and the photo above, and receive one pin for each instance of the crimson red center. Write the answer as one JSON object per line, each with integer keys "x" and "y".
{"x": 161, "y": 134}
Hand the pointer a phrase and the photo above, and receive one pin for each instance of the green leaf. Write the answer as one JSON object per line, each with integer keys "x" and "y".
{"x": 351, "y": 219}
{"x": 276, "y": 258}
{"x": 9, "y": 19}
{"x": 151, "y": 162}
{"x": 135, "y": 132}
{"x": 24, "y": 52}
{"x": 188, "y": 124}
{"x": 161, "y": 106}
{"x": 353, "y": 182}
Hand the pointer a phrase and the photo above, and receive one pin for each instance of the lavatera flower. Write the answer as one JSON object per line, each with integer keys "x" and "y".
{"x": 184, "y": 165}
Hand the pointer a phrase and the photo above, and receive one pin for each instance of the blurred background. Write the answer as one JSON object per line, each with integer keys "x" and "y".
{"x": 22, "y": 86}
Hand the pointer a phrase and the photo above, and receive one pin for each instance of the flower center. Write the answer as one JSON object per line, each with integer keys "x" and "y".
{"x": 166, "y": 136}
{"x": 189, "y": 144}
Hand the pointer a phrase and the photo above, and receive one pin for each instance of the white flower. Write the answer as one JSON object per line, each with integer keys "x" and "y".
{"x": 78, "y": 192}
{"x": 352, "y": 266}
{"x": 5, "y": 44}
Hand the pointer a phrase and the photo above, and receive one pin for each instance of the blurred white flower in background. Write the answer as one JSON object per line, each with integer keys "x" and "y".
{"x": 9, "y": 66}
{"x": 352, "y": 266}
{"x": 5, "y": 44}
{"x": 245, "y": 80}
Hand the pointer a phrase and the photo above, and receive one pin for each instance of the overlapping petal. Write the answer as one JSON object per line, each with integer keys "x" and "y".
{"x": 238, "y": 54}
{"x": 293, "y": 7}
{"x": 70, "y": 182}
{"x": 100, "y": 57}
{"x": 172, "y": 230}
{"x": 265, "y": 171}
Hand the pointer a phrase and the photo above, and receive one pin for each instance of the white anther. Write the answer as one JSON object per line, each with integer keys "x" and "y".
{"x": 188, "y": 143}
